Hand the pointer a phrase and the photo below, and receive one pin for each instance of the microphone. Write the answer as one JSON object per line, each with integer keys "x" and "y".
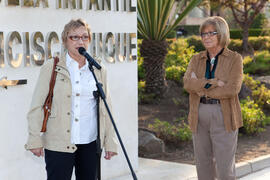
{"x": 91, "y": 60}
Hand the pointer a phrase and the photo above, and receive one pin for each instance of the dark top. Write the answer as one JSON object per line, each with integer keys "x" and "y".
{"x": 208, "y": 73}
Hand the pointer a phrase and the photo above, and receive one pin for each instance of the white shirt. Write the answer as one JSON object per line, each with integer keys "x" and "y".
{"x": 83, "y": 110}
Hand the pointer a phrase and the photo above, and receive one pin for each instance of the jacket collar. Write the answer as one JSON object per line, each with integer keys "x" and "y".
{"x": 61, "y": 66}
{"x": 226, "y": 52}
{"x": 62, "y": 60}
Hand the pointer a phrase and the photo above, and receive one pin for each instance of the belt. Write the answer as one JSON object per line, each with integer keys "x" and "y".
{"x": 205, "y": 100}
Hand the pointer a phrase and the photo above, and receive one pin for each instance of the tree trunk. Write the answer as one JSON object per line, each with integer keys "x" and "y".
{"x": 154, "y": 53}
{"x": 245, "y": 40}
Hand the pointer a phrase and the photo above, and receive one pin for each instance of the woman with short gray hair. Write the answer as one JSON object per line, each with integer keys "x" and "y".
{"x": 213, "y": 80}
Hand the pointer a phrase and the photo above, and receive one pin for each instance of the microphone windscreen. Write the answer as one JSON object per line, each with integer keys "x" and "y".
{"x": 81, "y": 50}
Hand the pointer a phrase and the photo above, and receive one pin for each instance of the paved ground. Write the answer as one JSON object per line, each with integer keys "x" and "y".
{"x": 260, "y": 175}
{"x": 161, "y": 170}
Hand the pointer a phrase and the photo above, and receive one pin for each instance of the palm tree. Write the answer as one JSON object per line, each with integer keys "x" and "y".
{"x": 154, "y": 24}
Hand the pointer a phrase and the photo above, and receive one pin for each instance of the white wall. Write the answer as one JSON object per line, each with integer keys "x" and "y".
{"x": 17, "y": 163}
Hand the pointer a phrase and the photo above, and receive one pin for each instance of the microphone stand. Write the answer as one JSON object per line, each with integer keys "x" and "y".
{"x": 100, "y": 94}
{"x": 98, "y": 144}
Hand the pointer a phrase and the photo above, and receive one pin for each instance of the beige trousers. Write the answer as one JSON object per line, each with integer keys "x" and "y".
{"x": 214, "y": 147}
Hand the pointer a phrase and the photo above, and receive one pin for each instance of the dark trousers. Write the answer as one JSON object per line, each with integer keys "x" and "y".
{"x": 59, "y": 165}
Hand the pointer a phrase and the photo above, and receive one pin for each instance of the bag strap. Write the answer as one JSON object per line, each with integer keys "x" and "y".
{"x": 48, "y": 102}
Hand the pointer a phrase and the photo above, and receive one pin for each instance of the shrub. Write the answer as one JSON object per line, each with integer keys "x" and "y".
{"x": 260, "y": 21}
{"x": 141, "y": 71}
{"x": 266, "y": 121}
{"x": 171, "y": 35}
{"x": 177, "y": 59}
{"x": 141, "y": 86}
{"x": 235, "y": 45}
{"x": 174, "y": 73}
{"x": 253, "y": 117}
{"x": 142, "y": 96}
{"x": 171, "y": 133}
{"x": 179, "y": 54}
{"x": 196, "y": 42}
{"x": 260, "y": 43}
{"x": 247, "y": 60}
{"x": 250, "y": 82}
{"x": 260, "y": 65}
{"x": 260, "y": 94}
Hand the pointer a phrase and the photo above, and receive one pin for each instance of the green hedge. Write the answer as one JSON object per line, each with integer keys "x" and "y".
{"x": 258, "y": 43}
{"x": 237, "y": 33}
{"x": 191, "y": 29}
{"x": 234, "y": 33}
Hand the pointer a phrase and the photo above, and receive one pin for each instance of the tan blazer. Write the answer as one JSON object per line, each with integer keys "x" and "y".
{"x": 58, "y": 135}
{"x": 229, "y": 70}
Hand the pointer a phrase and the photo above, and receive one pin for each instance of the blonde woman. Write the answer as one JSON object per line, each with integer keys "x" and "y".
{"x": 213, "y": 80}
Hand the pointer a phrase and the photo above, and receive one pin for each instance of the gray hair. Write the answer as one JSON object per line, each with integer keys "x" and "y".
{"x": 221, "y": 27}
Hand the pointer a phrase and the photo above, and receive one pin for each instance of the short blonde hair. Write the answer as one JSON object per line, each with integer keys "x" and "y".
{"x": 221, "y": 27}
{"x": 74, "y": 24}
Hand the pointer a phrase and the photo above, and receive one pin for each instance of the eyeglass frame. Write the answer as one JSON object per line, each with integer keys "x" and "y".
{"x": 79, "y": 37}
{"x": 209, "y": 34}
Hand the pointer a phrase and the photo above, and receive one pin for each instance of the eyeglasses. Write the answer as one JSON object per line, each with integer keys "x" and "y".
{"x": 208, "y": 34}
{"x": 77, "y": 38}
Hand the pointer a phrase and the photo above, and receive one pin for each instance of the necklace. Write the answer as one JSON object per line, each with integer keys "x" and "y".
{"x": 212, "y": 61}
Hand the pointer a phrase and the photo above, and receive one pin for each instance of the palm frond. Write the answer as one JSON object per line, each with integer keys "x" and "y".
{"x": 154, "y": 17}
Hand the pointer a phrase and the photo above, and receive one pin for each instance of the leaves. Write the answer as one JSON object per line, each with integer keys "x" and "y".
{"x": 153, "y": 18}
{"x": 253, "y": 117}
{"x": 242, "y": 10}
{"x": 171, "y": 133}
{"x": 260, "y": 94}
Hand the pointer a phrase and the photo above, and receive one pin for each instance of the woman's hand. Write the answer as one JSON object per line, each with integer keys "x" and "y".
{"x": 220, "y": 83}
{"x": 37, "y": 152}
{"x": 216, "y": 82}
{"x": 109, "y": 155}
